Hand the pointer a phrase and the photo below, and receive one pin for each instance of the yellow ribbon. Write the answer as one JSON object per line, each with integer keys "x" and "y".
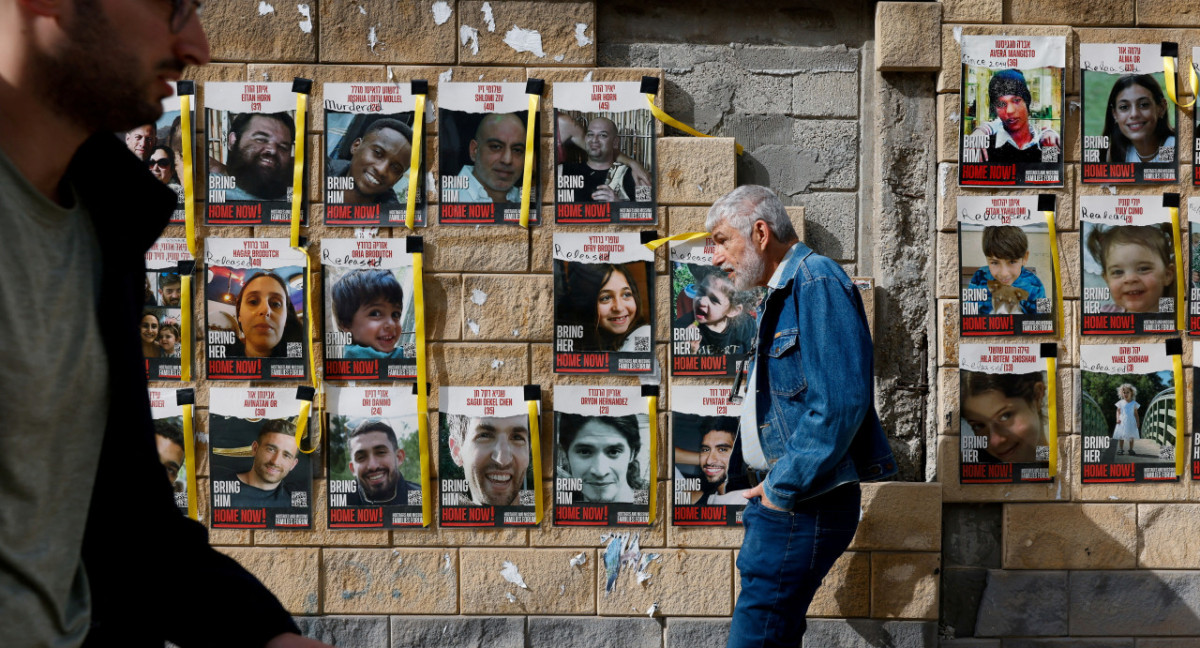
{"x": 652, "y": 405}
{"x": 1180, "y": 445}
{"x": 537, "y": 461}
{"x": 530, "y": 150}
{"x": 185, "y": 328}
{"x": 298, "y": 167}
{"x": 189, "y": 191}
{"x": 422, "y": 390}
{"x": 1052, "y": 389}
{"x": 414, "y": 163}
{"x": 671, "y": 121}
{"x": 1058, "y": 290}
{"x": 302, "y": 425}
{"x": 1169, "y": 77}
{"x": 687, "y": 236}
{"x": 318, "y": 393}
{"x": 189, "y": 461}
{"x": 1180, "y": 311}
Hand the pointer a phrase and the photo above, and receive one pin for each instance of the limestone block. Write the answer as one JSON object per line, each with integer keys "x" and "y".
{"x": 345, "y": 630}
{"x": 846, "y": 589}
{"x": 1167, "y": 13}
{"x": 409, "y": 32}
{"x": 548, "y": 535}
{"x": 950, "y": 77}
{"x": 706, "y": 537}
{"x": 453, "y": 248}
{"x": 949, "y": 278}
{"x": 1025, "y": 603}
{"x": 973, "y": 535}
{"x": 292, "y": 575}
{"x": 1094, "y": 595}
{"x": 461, "y": 632}
{"x": 695, "y": 170}
{"x": 828, "y": 157}
{"x": 1070, "y": 536}
{"x": 948, "y": 321}
{"x": 320, "y": 75}
{"x": 900, "y": 515}
{"x": 870, "y": 633}
{"x": 1069, "y": 263}
{"x": 902, "y": 42}
{"x": 1102, "y": 13}
{"x": 557, "y": 632}
{"x": 478, "y": 364}
{"x": 321, "y": 534}
{"x": 438, "y": 536}
{"x": 596, "y": 75}
{"x": 241, "y": 31}
{"x": 972, "y": 11}
{"x": 949, "y": 110}
{"x": 443, "y": 306}
{"x": 527, "y": 33}
{"x": 834, "y": 224}
{"x": 960, "y": 592}
{"x": 948, "y": 399}
{"x": 554, "y": 586}
{"x": 904, "y": 585}
{"x": 1165, "y": 539}
{"x": 866, "y": 290}
{"x": 1065, "y": 216}
{"x": 390, "y": 581}
{"x": 764, "y": 94}
{"x": 217, "y": 537}
{"x": 825, "y": 94}
{"x": 683, "y": 582}
{"x": 508, "y": 307}
{"x": 690, "y": 219}
{"x": 953, "y": 491}
{"x": 683, "y": 632}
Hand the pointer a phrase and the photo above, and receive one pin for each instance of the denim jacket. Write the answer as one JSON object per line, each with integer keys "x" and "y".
{"x": 815, "y": 401}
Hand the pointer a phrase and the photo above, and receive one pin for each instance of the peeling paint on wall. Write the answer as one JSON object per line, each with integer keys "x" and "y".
{"x": 488, "y": 17}
{"x": 513, "y": 575}
{"x": 446, "y": 76}
{"x": 581, "y": 39}
{"x": 306, "y": 24}
{"x": 525, "y": 40}
{"x": 496, "y": 363}
{"x": 478, "y": 297}
{"x": 587, "y": 78}
{"x": 264, "y": 9}
{"x": 372, "y": 40}
{"x": 441, "y": 12}
{"x": 579, "y": 559}
{"x": 468, "y": 33}
{"x": 474, "y": 326}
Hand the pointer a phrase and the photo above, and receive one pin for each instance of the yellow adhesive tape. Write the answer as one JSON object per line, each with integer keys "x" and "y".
{"x": 539, "y": 497}
{"x": 1180, "y": 287}
{"x": 189, "y": 461}
{"x": 1058, "y": 290}
{"x": 422, "y": 390}
{"x": 530, "y": 152}
{"x": 189, "y": 189}
{"x": 652, "y": 406}
{"x": 1169, "y": 77}
{"x": 298, "y": 168}
{"x": 671, "y": 121}
{"x": 185, "y": 328}
{"x": 414, "y": 164}
{"x": 1052, "y": 391}
{"x": 688, "y": 236}
{"x": 1180, "y": 438}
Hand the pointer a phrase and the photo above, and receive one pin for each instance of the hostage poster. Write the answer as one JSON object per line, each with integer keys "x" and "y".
{"x": 709, "y": 472}
{"x": 161, "y": 326}
{"x": 712, "y": 323}
{"x": 1193, "y": 217}
{"x": 485, "y": 463}
{"x": 374, "y": 458}
{"x": 172, "y": 443}
{"x": 260, "y": 478}
{"x": 1004, "y": 413}
{"x": 160, "y": 146}
{"x": 604, "y": 153}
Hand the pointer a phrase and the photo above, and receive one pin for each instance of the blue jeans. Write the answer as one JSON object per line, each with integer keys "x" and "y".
{"x": 784, "y": 557}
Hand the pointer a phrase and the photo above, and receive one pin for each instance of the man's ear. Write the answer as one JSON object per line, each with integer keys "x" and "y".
{"x": 472, "y": 149}
{"x": 231, "y": 140}
{"x": 455, "y": 451}
{"x": 763, "y": 233}
{"x": 400, "y": 454}
{"x": 354, "y": 146}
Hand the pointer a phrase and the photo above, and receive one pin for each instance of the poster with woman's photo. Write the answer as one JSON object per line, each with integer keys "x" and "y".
{"x": 481, "y": 153}
{"x": 603, "y": 153}
{"x": 1006, "y": 266}
{"x": 713, "y": 323}
{"x": 601, "y": 456}
{"x": 1129, "y": 125}
{"x": 260, "y": 477}
{"x": 160, "y": 145}
{"x": 603, "y": 303}
{"x": 254, "y": 297}
{"x": 1193, "y": 283}
{"x": 1003, "y": 414}
{"x": 370, "y": 321}
{"x": 709, "y": 476}
{"x": 368, "y": 151}
{"x": 1012, "y": 111}
{"x": 485, "y": 458}
{"x": 1127, "y": 413}
{"x": 374, "y": 458}
{"x": 161, "y": 326}
{"x": 250, "y": 152}
{"x": 1128, "y": 257}
{"x": 172, "y": 443}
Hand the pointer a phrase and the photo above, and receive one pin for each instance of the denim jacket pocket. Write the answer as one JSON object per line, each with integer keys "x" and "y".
{"x": 783, "y": 363}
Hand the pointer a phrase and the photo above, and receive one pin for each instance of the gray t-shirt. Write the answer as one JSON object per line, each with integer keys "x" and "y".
{"x": 53, "y": 407}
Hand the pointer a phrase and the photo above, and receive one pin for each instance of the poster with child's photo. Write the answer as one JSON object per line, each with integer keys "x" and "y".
{"x": 1129, "y": 125}
{"x": 1004, "y": 411}
{"x": 604, "y": 153}
{"x": 1012, "y": 111}
{"x": 161, "y": 325}
{"x": 250, "y": 152}
{"x": 485, "y": 458}
{"x": 1127, "y": 413}
{"x": 1128, "y": 257}
{"x": 713, "y": 323}
{"x": 172, "y": 443}
{"x": 709, "y": 477}
{"x": 159, "y": 145}
{"x": 369, "y": 146}
{"x": 601, "y": 456}
{"x": 254, "y": 303}
{"x": 370, "y": 321}
{"x": 374, "y": 458}
{"x": 481, "y": 153}
{"x": 1193, "y": 252}
{"x": 603, "y": 303}
{"x": 260, "y": 477}
{"x": 1006, "y": 270}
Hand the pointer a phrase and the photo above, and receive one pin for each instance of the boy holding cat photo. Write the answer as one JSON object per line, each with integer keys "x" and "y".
{"x": 1007, "y": 251}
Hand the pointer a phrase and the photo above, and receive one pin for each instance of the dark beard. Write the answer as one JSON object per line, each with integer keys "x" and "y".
{"x": 257, "y": 181}
{"x": 709, "y": 488}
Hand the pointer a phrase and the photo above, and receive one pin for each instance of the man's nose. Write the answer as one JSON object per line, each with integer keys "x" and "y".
{"x": 502, "y": 454}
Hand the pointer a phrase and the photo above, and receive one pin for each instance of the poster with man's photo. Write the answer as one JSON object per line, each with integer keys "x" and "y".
{"x": 260, "y": 477}
{"x": 160, "y": 146}
{"x": 161, "y": 326}
{"x": 1195, "y": 126}
{"x": 604, "y": 153}
{"x": 1127, "y": 413}
{"x": 1129, "y": 124}
{"x": 712, "y": 323}
{"x": 1006, "y": 266}
{"x": 370, "y": 320}
{"x": 603, "y": 303}
{"x": 1128, "y": 256}
{"x": 1004, "y": 413}
{"x": 481, "y": 153}
{"x": 1012, "y": 111}
{"x": 709, "y": 477}
{"x": 368, "y": 151}
{"x": 601, "y": 456}
{"x": 1193, "y": 283}
{"x": 172, "y": 443}
{"x": 485, "y": 458}
{"x": 250, "y": 152}
{"x": 374, "y": 458}
{"x": 254, "y": 297}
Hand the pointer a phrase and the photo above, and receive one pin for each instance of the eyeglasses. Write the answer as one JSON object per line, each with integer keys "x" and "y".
{"x": 181, "y": 13}
{"x": 162, "y": 163}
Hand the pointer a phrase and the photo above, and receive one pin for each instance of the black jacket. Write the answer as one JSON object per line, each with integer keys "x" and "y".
{"x": 152, "y": 574}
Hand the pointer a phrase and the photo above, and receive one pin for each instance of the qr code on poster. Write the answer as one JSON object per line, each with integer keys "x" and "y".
{"x": 414, "y": 498}
{"x": 642, "y": 193}
{"x": 300, "y": 499}
{"x": 641, "y": 344}
{"x": 410, "y": 349}
{"x": 1044, "y": 306}
{"x": 641, "y": 497}
{"x": 527, "y": 498}
{"x": 295, "y": 349}
{"x": 1166, "y": 304}
{"x": 1042, "y": 453}
{"x": 1050, "y": 153}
